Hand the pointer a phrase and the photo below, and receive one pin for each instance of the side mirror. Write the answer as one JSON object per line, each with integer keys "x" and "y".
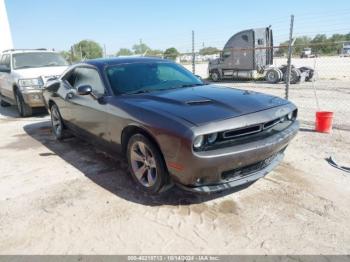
{"x": 4, "y": 69}
{"x": 84, "y": 90}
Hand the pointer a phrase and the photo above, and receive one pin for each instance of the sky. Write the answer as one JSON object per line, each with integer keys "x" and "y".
{"x": 163, "y": 23}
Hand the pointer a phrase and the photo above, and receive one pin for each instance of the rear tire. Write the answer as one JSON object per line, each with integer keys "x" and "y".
{"x": 295, "y": 75}
{"x": 311, "y": 72}
{"x": 146, "y": 164}
{"x": 57, "y": 123}
{"x": 273, "y": 76}
{"x": 23, "y": 109}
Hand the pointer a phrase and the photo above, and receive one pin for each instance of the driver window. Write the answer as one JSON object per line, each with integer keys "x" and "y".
{"x": 226, "y": 53}
{"x": 89, "y": 76}
{"x": 6, "y": 61}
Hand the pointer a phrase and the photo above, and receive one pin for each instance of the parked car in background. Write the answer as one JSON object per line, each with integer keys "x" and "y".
{"x": 172, "y": 127}
{"x": 23, "y": 73}
{"x": 307, "y": 53}
{"x": 345, "y": 50}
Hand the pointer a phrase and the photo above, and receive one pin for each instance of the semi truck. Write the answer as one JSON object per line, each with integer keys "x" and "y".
{"x": 249, "y": 55}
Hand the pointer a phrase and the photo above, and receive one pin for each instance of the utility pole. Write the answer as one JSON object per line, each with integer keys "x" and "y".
{"x": 289, "y": 62}
{"x": 104, "y": 51}
{"x": 193, "y": 55}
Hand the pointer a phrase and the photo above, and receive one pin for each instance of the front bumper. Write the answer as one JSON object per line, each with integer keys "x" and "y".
{"x": 33, "y": 98}
{"x": 237, "y": 181}
{"x": 221, "y": 169}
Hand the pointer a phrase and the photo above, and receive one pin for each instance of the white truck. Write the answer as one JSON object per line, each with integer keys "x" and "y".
{"x": 23, "y": 73}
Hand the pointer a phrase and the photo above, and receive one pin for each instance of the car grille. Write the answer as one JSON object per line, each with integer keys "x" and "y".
{"x": 250, "y": 130}
{"x": 247, "y": 170}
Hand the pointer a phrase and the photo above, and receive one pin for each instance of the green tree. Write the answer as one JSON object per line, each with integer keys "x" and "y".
{"x": 301, "y": 43}
{"x": 124, "y": 52}
{"x": 86, "y": 49}
{"x": 321, "y": 44}
{"x": 67, "y": 55}
{"x": 154, "y": 52}
{"x": 140, "y": 49}
{"x": 209, "y": 51}
{"x": 171, "y": 53}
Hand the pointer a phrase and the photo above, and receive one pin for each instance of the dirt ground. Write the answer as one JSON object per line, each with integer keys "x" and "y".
{"x": 69, "y": 198}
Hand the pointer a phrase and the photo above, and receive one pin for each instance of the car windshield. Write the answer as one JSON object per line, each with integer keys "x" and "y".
{"x": 149, "y": 77}
{"x": 38, "y": 59}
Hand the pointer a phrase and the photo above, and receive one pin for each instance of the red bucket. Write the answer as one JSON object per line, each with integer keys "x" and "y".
{"x": 324, "y": 121}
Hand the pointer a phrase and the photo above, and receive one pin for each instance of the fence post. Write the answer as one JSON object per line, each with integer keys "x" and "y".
{"x": 289, "y": 62}
{"x": 193, "y": 55}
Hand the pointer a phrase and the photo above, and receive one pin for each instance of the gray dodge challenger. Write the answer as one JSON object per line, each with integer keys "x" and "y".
{"x": 172, "y": 127}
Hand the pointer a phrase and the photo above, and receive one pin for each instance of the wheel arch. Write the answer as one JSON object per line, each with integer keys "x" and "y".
{"x": 131, "y": 130}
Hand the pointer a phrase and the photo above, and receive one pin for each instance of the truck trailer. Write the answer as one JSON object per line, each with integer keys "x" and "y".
{"x": 249, "y": 55}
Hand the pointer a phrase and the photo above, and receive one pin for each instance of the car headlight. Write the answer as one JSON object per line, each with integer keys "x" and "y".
{"x": 31, "y": 82}
{"x": 198, "y": 142}
{"x": 290, "y": 116}
{"x": 212, "y": 138}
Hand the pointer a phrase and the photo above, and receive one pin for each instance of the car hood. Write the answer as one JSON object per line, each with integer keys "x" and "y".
{"x": 203, "y": 104}
{"x": 44, "y": 72}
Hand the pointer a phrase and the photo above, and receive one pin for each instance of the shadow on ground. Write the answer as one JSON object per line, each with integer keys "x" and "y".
{"x": 110, "y": 172}
{"x": 11, "y": 111}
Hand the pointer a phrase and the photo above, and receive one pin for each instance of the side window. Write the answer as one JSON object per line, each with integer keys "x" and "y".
{"x": 89, "y": 76}
{"x": 5, "y": 61}
{"x": 71, "y": 78}
{"x": 226, "y": 53}
{"x": 245, "y": 38}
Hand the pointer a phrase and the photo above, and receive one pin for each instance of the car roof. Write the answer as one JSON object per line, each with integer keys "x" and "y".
{"x": 102, "y": 62}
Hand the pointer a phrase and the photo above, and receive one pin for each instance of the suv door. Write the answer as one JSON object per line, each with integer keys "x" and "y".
{"x": 88, "y": 113}
{"x": 6, "y": 88}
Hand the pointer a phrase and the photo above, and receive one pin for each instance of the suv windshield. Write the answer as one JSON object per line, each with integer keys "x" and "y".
{"x": 37, "y": 59}
{"x": 148, "y": 77}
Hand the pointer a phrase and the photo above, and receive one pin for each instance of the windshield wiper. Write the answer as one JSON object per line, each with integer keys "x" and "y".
{"x": 193, "y": 85}
{"x": 140, "y": 91}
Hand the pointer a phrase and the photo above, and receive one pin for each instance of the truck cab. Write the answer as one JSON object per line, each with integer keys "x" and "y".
{"x": 245, "y": 55}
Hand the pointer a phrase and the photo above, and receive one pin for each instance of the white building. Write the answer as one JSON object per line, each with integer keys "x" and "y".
{"x": 5, "y": 31}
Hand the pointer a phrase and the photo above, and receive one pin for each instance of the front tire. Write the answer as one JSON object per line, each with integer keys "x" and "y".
{"x": 23, "y": 109}
{"x": 146, "y": 164}
{"x": 215, "y": 76}
{"x": 4, "y": 103}
{"x": 56, "y": 122}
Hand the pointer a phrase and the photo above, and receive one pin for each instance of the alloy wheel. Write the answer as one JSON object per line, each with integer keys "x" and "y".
{"x": 143, "y": 164}
{"x": 56, "y": 121}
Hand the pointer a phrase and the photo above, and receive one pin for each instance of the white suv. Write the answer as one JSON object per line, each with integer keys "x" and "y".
{"x": 23, "y": 74}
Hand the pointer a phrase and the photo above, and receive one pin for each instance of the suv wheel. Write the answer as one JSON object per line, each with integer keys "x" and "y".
{"x": 146, "y": 164}
{"x": 4, "y": 103}
{"x": 56, "y": 122}
{"x": 23, "y": 109}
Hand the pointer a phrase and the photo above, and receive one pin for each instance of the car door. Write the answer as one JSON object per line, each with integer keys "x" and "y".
{"x": 6, "y": 88}
{"x": 88, "y": 113}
